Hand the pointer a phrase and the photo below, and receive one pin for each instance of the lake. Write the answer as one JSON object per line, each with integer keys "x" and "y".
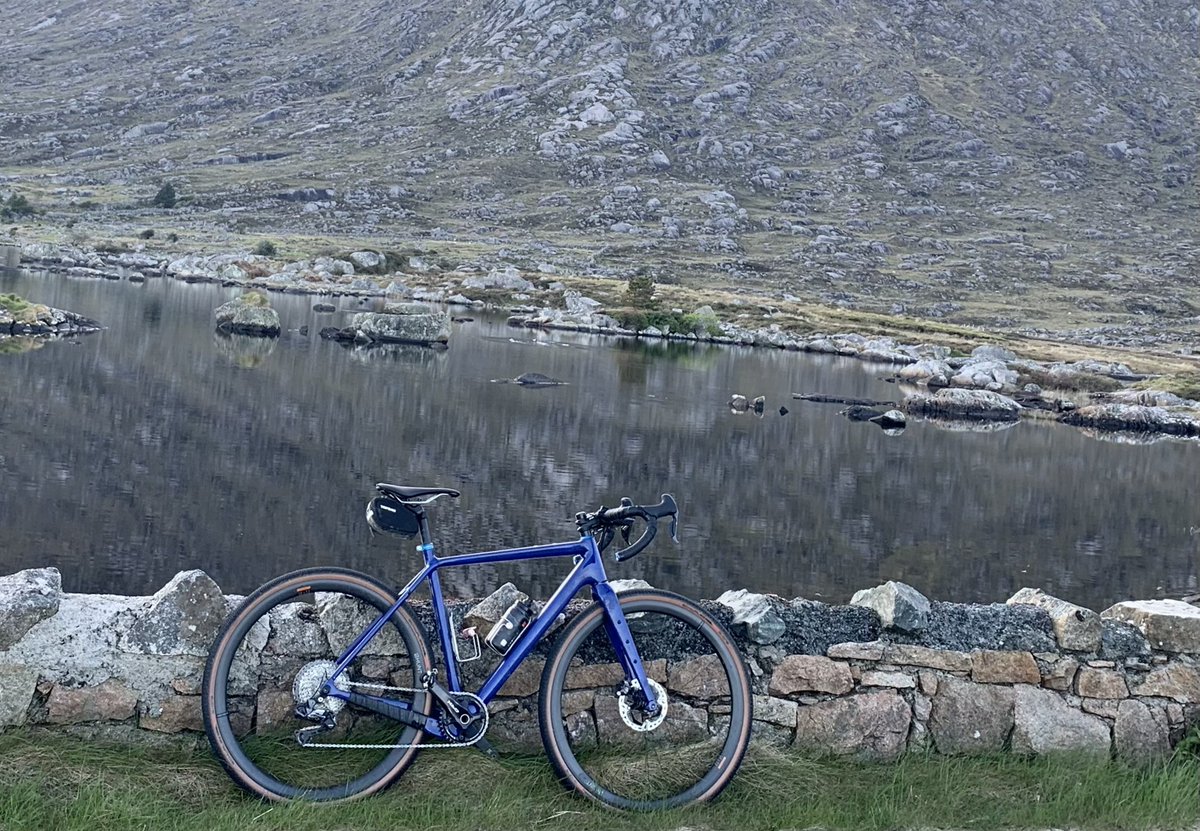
{"x": 159, "y": 445}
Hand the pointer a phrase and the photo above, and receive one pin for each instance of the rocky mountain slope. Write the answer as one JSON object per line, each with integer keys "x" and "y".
{"x": 1026, "y": 165}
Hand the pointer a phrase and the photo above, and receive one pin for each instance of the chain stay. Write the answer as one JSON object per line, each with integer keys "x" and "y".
{"x": 385, "y": 687}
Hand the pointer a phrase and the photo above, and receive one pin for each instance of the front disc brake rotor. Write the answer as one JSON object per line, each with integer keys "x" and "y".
{"x": 627, "y": 710}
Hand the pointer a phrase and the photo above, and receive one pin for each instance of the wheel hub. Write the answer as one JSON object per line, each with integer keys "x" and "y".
{"x": 633, "y": 710}
{"x": 308, "y": 682}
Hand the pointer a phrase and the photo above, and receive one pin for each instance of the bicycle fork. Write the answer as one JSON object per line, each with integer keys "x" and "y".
{"x": 622, "y": 640}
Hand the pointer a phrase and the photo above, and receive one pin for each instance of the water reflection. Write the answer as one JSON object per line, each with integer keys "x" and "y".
{"x": 243, "y": 351}
{"x": 148, "y": 449}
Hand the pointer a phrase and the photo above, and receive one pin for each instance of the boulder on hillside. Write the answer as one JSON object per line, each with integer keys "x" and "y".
{"x": 985, "y": 374}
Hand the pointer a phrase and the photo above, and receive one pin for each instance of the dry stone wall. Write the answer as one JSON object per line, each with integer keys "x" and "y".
{"x": 890, "y": 673}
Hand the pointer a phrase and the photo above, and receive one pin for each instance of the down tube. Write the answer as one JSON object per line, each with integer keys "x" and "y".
{"x": 588, "y": 572}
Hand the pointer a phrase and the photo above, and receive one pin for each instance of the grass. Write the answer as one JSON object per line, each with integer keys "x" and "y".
{"x": 49, "y": 781}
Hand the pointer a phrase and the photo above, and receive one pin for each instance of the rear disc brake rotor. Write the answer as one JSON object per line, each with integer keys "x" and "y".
{"x": 309, "y": 680}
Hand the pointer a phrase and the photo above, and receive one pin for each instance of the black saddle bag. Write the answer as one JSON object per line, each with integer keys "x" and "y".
{"x": 391, "y": 516}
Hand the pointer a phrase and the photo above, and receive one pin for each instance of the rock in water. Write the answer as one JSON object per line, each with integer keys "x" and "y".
{"x": 891, "y": 420}
{"x": 537, "y": 379}
{"x": 249, "y": 314}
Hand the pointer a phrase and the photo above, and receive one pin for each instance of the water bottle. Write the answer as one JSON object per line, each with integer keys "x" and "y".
{"x": 508, "y": 628}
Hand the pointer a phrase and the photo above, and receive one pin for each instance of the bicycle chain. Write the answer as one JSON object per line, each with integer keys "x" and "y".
{"x": 367, "y": 686}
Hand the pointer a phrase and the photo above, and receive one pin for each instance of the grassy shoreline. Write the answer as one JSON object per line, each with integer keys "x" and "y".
{"x": 55, "y": 781}
{"x": 751, "y": 305}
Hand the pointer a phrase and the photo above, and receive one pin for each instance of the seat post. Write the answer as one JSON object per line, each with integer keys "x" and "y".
{"x": 426, "y": 539}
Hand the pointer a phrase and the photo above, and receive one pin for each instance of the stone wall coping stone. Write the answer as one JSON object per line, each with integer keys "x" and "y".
{"x": 1076, "y": 628}
{"x": 899, "y": 606}
{"x": 1169, "y": 625}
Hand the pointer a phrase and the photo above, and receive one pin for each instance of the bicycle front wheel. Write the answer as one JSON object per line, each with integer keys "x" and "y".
{"x": 605, "y": 746}
{"x": 273, "y": 655}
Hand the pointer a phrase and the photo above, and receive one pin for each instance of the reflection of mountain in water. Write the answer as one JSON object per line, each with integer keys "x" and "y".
{"x": 146, "y": 450}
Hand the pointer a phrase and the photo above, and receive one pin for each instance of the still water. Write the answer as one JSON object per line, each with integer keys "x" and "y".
{"x": 157, "y": 446}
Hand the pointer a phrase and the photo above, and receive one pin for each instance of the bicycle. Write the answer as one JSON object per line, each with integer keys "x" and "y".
{"x": 322, "y": 684}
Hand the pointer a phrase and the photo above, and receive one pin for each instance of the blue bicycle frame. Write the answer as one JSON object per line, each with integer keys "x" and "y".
{"x": 588, "y": 571}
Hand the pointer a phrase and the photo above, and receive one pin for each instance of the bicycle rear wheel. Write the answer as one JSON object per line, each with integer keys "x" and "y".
{"x": 604, "y": 747}
{"x": 274, "y": 653}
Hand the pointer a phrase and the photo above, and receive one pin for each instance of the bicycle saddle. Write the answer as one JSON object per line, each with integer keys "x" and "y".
{"x": 402, "y": 492}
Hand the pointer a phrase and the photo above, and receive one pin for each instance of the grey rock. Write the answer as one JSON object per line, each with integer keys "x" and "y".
{"x": 1148, "y": 398}
{"x": 537, "y": 379}
{"x": 810, "y": 673}
{"x": 898, "y": 605}
{"x": 246, "y": 317}
{"x": 984, "y": 373}
{"x": 927, "y": 371}
{"x": 388, "y": 308}
{"x": 628, "y": 585}
{"x": 1120, "y": 640}
{"x": 484, "y": 614}
{"x": 79, "y": 642}
{"x": 968, "y": 719}
{"x": 26, "y": 599}
{"x": 182, "y": 618}
{"x": 871, "y": 726}
{"x": 1168, "y": 625}
{"x": 108, "y": 701}
{"x": 993, "y": 353}
{"x": 963, "y": 403}
{"x": 510, "y": 278}
{"x": 1141, "y": 734}
{"x": 152, "y": 128}
{"x": 813, "y": 627}
{"x": 367, "y": 260}
{"x": 579, "y": 305}
{"x": 762, "y": 624}
{"x": 1044, "y": 723}
{"x": 890, "y": 420}
{"x": 17, "y": 684}
{"x": 1134, "y": 418}
{"x": 966, "y": 627}
{"x": 424, "y": 329}
{"x": 1076, "y": 628}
